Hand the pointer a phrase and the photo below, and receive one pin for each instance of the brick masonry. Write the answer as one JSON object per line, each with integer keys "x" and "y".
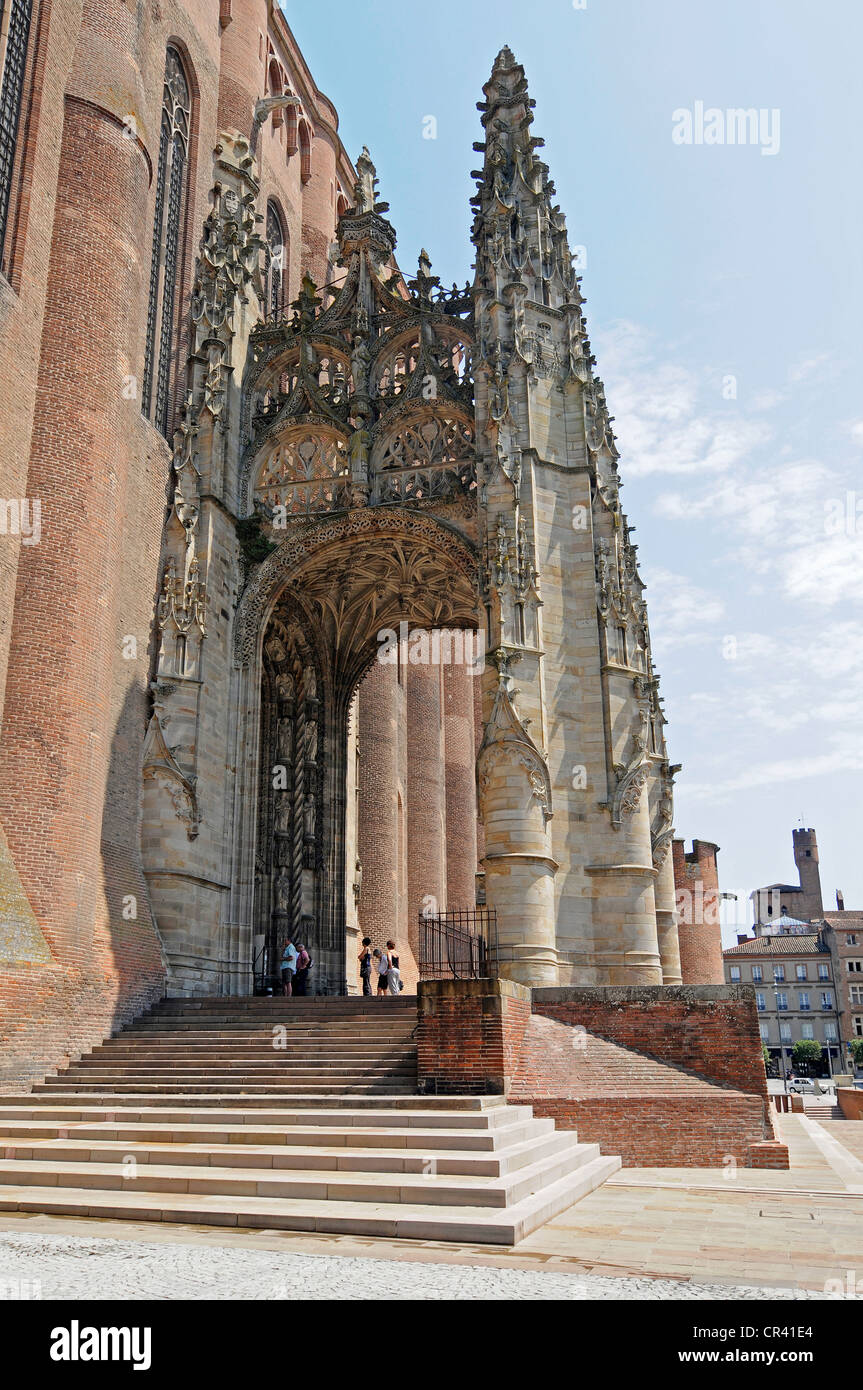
{"x": 469, "y": 1035}
{"x": 701, "y": 1101}
{"x": 77, "y": 960}
{"x": 696, "y": 889}
{"x": 707, "y": 1029}
{"x": 850, "y": 1102}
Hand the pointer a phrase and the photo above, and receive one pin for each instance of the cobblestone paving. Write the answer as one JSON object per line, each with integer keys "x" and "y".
{"x": 69, "y": 1267}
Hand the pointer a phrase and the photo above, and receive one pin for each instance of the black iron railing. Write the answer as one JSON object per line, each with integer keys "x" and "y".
{"x": 460, "y": 944}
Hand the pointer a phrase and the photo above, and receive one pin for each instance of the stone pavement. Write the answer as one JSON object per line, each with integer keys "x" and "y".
{"x": 648, "y": 1233}
{"x": 72, "y": 1267}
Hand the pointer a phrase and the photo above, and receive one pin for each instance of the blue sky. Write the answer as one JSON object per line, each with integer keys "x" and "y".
{"x": 704, "y": 263}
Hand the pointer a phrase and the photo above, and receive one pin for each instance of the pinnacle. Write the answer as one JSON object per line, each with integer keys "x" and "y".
{"x": 505, "y": 60}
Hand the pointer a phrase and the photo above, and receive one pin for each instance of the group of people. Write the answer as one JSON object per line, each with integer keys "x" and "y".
{"x": 384, "y": 963}
{"x": 296, "y": 964}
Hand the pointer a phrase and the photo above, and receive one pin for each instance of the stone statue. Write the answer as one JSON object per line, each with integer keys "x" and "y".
{"x": 359, "y": 454}
{"x": 311, "y": 741}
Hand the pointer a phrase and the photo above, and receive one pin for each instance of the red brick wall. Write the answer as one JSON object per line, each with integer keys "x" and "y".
{"x": 850, "y": 1102}
{"x": 696, "y": 890}
{"x": 665, "y": 1131}
{"x": 469, "y": 1035}
{"x": 708, "y": 1030}
{"x": 71, "y": 329}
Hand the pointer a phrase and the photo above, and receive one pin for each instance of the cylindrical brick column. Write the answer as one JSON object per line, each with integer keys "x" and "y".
{"x": 699, "y": 929}
{"x": 60, "y": 735}
{"x": 242, "y": 74}
{"x": 426, "y": 796}
{"x": 477, "y": 740}
{"x": 319, "y": 216}
{"x": 458, "y": 683}
{"x": 378, "y": 804}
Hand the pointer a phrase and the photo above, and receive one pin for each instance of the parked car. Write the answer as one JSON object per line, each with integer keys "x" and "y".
{"x": 803, "y": 1085}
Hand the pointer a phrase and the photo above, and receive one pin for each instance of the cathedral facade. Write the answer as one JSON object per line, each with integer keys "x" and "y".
{"x": 333, "y": 620}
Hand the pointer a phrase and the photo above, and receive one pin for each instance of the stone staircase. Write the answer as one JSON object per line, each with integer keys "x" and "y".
{"x": 298, "y": 1115}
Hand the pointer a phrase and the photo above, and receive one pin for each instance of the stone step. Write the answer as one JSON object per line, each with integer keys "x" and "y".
{"x": 226, "y": 1088}
{"x": 276, "y": 1056}
{"x": 318, "y": 1004}
{"x": 487, "y": 1225}
{"x": 284, "y": 1069}
{"x": 232, "y": 1028}
{"x": 18, "y": 1136}
{"x": 327, "y": 1180}
{"x": 281, "y": 1012}
{"x": 255, "y": 1047}
{"x": 468, "y": 1111}
{"x": 314, "y": 1002}
{"x": 194, "y": 1114}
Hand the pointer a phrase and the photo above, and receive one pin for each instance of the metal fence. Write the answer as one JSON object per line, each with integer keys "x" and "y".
{"x": 460, "y": 944}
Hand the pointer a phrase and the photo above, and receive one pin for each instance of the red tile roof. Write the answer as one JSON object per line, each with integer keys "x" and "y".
{"x": 802, "y": 945}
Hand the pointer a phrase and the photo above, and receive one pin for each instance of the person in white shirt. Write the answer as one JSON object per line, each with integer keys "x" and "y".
{"x": 382, "y": 961}
{"x": 394, "y": 979}
{"x": 289, "y": 966}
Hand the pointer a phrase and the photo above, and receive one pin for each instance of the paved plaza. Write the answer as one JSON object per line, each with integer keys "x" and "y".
{"x": 74, "y": 1267}
{"x": 647, "y": 1233}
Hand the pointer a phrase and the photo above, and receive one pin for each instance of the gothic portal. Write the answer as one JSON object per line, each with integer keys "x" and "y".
{"x": 386, "y": 456}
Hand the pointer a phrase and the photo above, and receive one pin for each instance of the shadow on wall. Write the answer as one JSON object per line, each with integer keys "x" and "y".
{"x": 63, "y": 990}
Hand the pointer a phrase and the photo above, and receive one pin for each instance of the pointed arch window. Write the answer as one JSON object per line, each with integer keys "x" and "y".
{"x": 277, "y": 273}
{"x": 305, "y": 143}
{"x": 15, "y": 19}
{"x": 171, "y": 184}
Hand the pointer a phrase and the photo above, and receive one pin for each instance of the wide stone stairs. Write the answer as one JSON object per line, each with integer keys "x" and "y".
{"x": 284, "y": 1114}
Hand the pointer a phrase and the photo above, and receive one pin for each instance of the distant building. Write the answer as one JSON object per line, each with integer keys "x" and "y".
{"x": 843, "y": 933}
{"x": 795, "y": 991}
{"x": 802, "y": 900}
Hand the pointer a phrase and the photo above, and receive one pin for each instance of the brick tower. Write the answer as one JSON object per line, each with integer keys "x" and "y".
{"x": 696, "y": 882}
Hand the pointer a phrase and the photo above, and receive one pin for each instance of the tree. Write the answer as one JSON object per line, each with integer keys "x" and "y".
{"x": 765, "y": 1053}
{"x": 806, "y": 1053}
{"x": 857, "y": 1051}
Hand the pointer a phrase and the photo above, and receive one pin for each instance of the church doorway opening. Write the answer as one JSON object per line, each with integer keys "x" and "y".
{"x": 372, "y": 655}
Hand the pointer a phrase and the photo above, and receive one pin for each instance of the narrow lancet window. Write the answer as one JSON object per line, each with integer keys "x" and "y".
{"x": 14, "y": 38}
{"x": 171, "y": 180}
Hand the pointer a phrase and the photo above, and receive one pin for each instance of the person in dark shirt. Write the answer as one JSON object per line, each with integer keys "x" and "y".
{"x": 365, "y": 960}
{"x": 394, "y": 979}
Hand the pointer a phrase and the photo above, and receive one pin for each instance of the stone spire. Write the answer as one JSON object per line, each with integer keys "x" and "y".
{"x": 364, "y": 227}
{"x": 556, "y": 544}
{"x": 519, "y": 231}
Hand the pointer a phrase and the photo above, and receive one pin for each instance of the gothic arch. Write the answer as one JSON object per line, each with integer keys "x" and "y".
{"x": 314, "y": 545}
{"x": 278, "y": 266}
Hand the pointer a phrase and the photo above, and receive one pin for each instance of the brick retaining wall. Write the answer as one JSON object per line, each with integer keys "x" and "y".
{"x": 469, "y": 1036}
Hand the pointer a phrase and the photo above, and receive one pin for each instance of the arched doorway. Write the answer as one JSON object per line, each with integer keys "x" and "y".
{"x": 343, "y": 601}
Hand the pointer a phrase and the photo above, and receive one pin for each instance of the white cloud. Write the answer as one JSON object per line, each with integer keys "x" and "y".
{"x": 659, "y": 425}
{"x": 779, "y": 771}
{"x": 758, "y": 620}
{"x": 680, "y": 611}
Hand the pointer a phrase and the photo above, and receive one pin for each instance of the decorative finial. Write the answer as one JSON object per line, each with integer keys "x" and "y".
{"x": 365, "y": 188}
